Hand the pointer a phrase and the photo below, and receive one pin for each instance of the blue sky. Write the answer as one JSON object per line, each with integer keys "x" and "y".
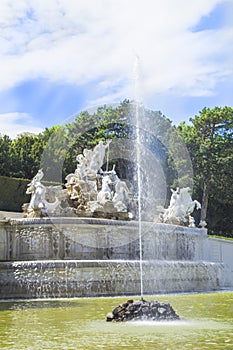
{"x": 58, "y": 57}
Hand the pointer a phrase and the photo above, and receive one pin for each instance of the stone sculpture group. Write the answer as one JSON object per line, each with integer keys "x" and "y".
{"x": 96, "y": 192}
{"x": 92, "y": 192}
{"x": 89, "y": 191}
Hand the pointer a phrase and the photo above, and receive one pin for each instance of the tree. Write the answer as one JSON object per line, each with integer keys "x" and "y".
{"x": 23, "y": 157}
{"x": 5, "y": 159}
{"x": 55, "y": 149}
{"x": 56, "y": 145}
{"x": 88, "y": 129}
{"x": 209, "y": 140}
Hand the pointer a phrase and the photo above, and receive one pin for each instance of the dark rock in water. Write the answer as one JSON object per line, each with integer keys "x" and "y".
{"x": 142, "y": 310}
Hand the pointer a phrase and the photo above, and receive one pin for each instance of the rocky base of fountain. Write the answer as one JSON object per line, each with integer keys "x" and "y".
{"x": 142, "y": 310}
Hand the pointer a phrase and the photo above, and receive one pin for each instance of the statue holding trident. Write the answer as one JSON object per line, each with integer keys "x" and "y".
{"x": 98, "y": 155}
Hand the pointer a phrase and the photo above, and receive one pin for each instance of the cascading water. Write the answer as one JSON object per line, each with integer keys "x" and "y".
{"x": 65, "y": 262}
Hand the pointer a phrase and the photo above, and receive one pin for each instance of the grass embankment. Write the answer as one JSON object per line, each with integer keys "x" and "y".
{"x": 221, "y": 237}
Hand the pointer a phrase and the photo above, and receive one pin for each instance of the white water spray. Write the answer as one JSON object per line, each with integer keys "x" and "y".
{"x": 138, "y": 112}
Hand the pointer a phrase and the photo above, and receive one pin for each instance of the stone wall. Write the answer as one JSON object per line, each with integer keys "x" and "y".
{"x": 219, "y": 250}
{"x": 96, "y": 239}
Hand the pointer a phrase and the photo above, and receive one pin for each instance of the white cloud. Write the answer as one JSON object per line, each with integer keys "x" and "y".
{"x": 13, "y": 124}
{"x": 88, "y": 40}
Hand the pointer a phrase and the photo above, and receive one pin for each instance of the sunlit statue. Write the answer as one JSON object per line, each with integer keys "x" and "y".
{"x": 96, "y": 192}
{"x": 37, "y": 191}
{"x": 89, "y": 191}
{"x": 121, "y": 196}
{"x": 45, "y": 200}
{"x": 180, "y": 208}
{"x": 105, "y": 194}
{"x": 98, "y": 155}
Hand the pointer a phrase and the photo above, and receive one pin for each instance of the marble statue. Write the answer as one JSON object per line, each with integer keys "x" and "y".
{"x": 95, "y": 192}
{"x": 180, "y": 208}
{"x": 105, "y": 194}
{"x": 45, "y": 200}
{"x": 91, "y": 161}
{"x": 121, "y": 196}
{"x": 37, "y": 191}
{"x": 97, "y": 158}
{"x": 90, "y": 191}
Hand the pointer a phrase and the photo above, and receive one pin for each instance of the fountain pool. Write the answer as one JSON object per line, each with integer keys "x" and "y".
{"x": 206, "y": 323}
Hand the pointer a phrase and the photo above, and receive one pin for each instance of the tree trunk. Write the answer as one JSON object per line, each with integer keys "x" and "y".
{"x": 205, "y": 198}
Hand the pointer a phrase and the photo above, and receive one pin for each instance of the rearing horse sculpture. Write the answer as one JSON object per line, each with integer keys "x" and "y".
{"x": 181, "y": 207}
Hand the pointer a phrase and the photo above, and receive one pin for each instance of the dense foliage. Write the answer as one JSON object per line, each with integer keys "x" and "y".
{"x": 208, "y": 139}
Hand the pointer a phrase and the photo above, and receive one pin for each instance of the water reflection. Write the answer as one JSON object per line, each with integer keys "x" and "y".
{"x": 22, "y": 305}
{"x": 80, "y": 324}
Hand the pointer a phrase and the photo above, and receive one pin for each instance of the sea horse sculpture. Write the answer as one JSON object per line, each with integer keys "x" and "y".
{"x": 44, "y": 200}
{"x": 180, "y": 208}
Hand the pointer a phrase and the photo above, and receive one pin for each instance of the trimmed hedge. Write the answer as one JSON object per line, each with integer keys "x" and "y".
{"x": 13, "y": 193}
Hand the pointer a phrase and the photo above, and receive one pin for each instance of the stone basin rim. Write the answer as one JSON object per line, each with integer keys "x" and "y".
{"x": 99, "y": 221}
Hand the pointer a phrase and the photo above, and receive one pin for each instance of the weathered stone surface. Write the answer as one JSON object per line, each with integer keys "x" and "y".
{"x": 95, "y": 238}
{"x": 94, "y": 278}
{"x": 142, "y": 310}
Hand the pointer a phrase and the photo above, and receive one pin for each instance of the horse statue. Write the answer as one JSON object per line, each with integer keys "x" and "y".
{"x": 39, "y": 204}
{"x": 180, "y": 208}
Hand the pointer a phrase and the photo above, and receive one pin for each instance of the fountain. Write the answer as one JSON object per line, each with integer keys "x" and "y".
{"x": 82, "y": 240}
{"x": 105, "y": 236}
